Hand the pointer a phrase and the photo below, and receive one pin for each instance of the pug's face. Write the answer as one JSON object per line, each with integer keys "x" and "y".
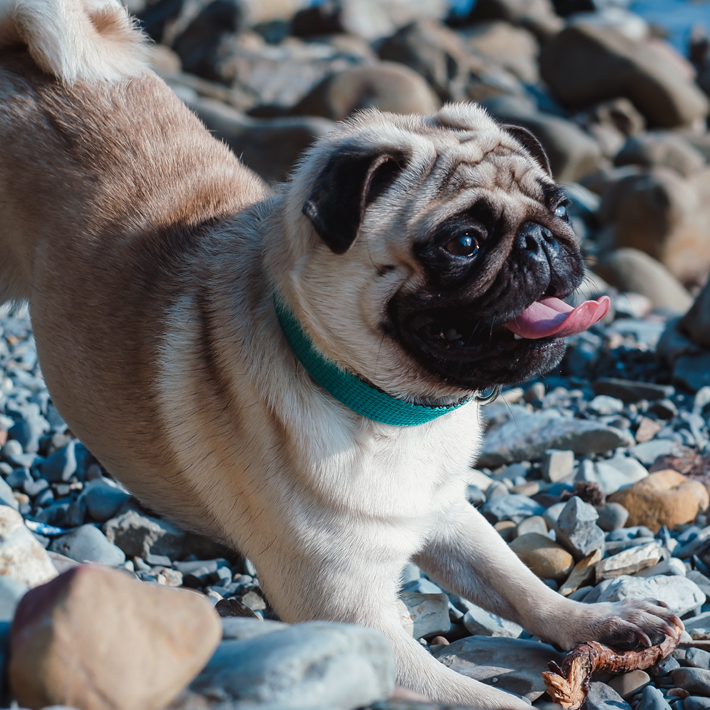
{"x": 441, "y": 231}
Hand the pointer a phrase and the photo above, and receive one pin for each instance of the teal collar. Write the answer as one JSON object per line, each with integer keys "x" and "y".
{"x": 349, "y": 389}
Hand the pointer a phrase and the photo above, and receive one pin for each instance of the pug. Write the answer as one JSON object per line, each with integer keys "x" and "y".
{"x": 294, "y": 373}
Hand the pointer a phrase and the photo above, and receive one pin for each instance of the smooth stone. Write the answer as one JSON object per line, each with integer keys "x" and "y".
{"x": 604, "y": 697}
{"x": 88, "y": 544}
{"x": 534, "y": 524}
{"x": 557, "y": 465}
{"x": 333, "y": 665}
{"x": 11, "y": 591}
{"x": 484, "y": 623}
{"x": 671, "y": 566}
{"x": 547, "y": 559}
{"x": 90, "y": 621}
{"x": 612, "y": 516}
{"x": 528, "y": 438}
{"x": 6, "y": 495}
{"x": 649, "y": 451}
{"x": 613, "y": 474}
{"x": 631, "y": 391}
{"x": 664, "y": 498}
{"x": 552, "y": 514}
{"x": 577, "y": 530}
{"x": 696, "y": 703}
{"x": 21, "y": 557}
{"x": 139, "y": 535}
{"x": 424, "y": 614}
{"x": 104, "y": 501}
{"x": 695, "y": 324}
{"x": 652, "y": 699}
{"x": 514, "y": 665}
{"x": 603, "y": 404}
{"x": 681, "y": 594}
{"x": 694, "y": 680}
{"x": 692, "y": 372}
{"x": 630, "y": 683}
{"x": 511, "y": 507}
{"x": 237, "y": 628}
{"x": 697, "y": 658}
{"x": 582, "y": 574}
{"x": 61, "y": 465}
{"x": 629, "y": 561}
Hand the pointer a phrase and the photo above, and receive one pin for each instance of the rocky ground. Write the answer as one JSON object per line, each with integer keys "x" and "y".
{"x": 597, "y": 475}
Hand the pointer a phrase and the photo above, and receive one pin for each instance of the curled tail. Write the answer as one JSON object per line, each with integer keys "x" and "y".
{"x": 75, "y": 40}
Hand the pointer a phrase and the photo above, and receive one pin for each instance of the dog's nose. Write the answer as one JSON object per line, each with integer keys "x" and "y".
{"x": 537, "y": 243}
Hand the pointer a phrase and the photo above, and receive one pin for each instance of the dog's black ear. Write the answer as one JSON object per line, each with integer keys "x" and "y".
{"x": 350, "y": 181}
{"x": 531, "y": 144}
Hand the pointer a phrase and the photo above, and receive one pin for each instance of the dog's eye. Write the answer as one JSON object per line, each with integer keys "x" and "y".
{"x": 561, "y": 212}
{"x": 463, "y": 245}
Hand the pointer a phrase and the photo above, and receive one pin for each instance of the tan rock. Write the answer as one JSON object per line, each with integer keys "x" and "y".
{"x": 582, "y": 573}
{"x": 507, "y": 529}
{"x": 21, "y": 556}
{"x": 545, "y": 558}
{"x": 387, "y": 86}
{"x": 647, "y": 429}
{"x": 96, "y": 639}
{"x": 664, "y": 498}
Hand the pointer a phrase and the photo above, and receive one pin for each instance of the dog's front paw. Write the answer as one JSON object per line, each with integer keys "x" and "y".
{"x": 628, "y": 625}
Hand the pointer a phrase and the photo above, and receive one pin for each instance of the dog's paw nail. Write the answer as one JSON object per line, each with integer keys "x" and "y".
{"x": 642, "y": 638}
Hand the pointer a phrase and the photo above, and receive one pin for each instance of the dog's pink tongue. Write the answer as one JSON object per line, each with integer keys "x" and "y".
{"x": 552, "y": 317}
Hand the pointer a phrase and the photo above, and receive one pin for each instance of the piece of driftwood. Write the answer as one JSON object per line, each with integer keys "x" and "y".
{"x": 568, "y": 685}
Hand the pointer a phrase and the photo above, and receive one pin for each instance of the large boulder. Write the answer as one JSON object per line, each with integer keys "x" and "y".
{"x": 95, "y": 639}
{"x": 587, "y": 63}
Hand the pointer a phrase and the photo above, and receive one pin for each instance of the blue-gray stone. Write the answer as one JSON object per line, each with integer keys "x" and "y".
{"x": 11, "y": 591}
{"x": 88, "y": 544}
{"x": 679, "y": 593}
{"x": 652, "y": 699}
{"x": 695, "y": 680}
{"x": 649, "y": 451}
{"x": 333, "y": 665}
{"x": 19, "y": 477}
{"x": 695, "y": 702}
{"x": 603, "y": 697}
{"x": 6, "y": 496}
{"x": 61, "y": 465}
{"x": 697, "y": 658}
{"x": 104, "y": 501}
{"x": 34, "y": 488}
{"x": 511, "y": 507}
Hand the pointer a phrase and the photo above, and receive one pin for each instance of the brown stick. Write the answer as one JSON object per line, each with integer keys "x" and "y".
{"x": 568, "y": 685}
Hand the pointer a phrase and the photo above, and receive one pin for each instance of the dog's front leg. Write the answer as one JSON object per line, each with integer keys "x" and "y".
{"x": 359, "y": 589}
{"x": 470, "y": 559}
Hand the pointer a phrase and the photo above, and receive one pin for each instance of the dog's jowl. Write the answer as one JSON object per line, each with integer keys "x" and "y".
{"x": 291, "y": 372}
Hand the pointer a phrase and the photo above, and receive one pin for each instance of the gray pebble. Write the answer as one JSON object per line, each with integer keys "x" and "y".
{"x": 694, "y": 680}
{"x": 652, "y": 699}
{"x": 603, "y": 697}
{"x": 104, "y": 501}
{"x": 88, "y": 544}
{"x": 695, "y": 702}
{"x": 577, "y": 530}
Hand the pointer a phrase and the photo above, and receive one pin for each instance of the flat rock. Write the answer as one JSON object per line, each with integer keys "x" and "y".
{"x": 582, "y": 574}
{"x": 631, "y": 391}
{"x": 681, "y": 594}
{"x": 612, "y": 474}
{"x": 664, "y": 498}
{"x": 629, "y": 561}
{"x": 527, "y": 438}
{"x": 424, "y": 614}
{"x": 511, "y": 507}
{"x": 90, "y": 621}
{"x": 337, "y": 666}
{"x": 21, "y": 556}
{"x": 547, "y": 559}
{"x": 514, "y": 665}
{"x": 88, "y": 544}
{"x": 695, "y": 702}
{"x": 484, "y": 623}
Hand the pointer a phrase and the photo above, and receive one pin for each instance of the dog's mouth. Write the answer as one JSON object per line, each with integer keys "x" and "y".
{"x": 455, "y": 336}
